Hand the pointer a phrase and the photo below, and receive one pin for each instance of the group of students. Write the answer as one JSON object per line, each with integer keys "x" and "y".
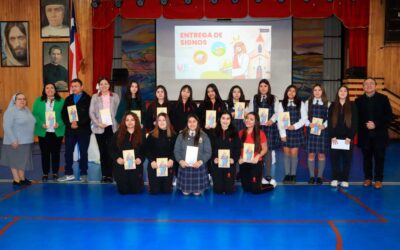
{"x": 177, "y": 131}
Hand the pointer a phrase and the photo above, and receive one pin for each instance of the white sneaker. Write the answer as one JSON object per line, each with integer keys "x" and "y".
{"x": 264, "y": 181}
{"x": 344, "y": 184}
{"x": 334, "y": 183}
{"x": 66, "y": 178}
{"x": 273, "y": 183}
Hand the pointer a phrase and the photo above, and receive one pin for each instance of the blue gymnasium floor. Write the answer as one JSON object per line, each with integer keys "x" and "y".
{"x": 95, "y": 216}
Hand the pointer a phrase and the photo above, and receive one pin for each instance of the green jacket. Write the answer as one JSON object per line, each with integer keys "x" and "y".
{"x": 39, "y": 110}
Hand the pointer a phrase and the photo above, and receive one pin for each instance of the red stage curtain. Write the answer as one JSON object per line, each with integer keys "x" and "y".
{"x": 311, "y": 9}
{"x": 150, "y": 10}
{"x": 103, "y": 46}
{"x": 104, "y": 15}
{"x": 269, "y": 8}
{"x": 226, "y": 9}
{"x": 353, "y": 14}
{"x": 177, "y": 9}
{"x": 358, "y": 47}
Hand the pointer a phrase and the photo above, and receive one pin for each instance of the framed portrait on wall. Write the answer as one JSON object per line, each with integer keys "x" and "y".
{"x": 55, "y": 64}
{"x": 54, "y": 18}
{"x": 14, "y": 44}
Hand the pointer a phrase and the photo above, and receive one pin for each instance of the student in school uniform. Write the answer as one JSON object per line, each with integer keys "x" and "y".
{"x": 103, "y": 125}
{"x": 160, "y": 144}
{"x": 129, "y": 136}
{"x": 225, "y": 137}
{"x": 212, "y": 101}
{"x": 132, "y": 100}
{"x": 160, "y": 102}
{"x": 265, "y": 99}
{"x": 192, "y": 176}
{"x": 292, "y": 134}
{"x": 251, "y": 158}
{"x": 343, "y": 118}
{"x": 236, "y": 95}
{"x": 182, "y": 108}
{"x": 317, "y": 133}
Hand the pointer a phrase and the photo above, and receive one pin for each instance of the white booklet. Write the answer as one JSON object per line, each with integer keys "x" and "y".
{"x": 341, "y": 144}
{"x": 105, "y": 115}
{"x": 191, "y": 155}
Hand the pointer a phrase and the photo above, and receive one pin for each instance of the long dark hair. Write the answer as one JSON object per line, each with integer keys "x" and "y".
{"x": 270, "y": 97}
{"x": 156, "y": 131}
{"x": 337, "y": 107}
{"x": 231, "y": 132}
{"x": 128, "y": 94}
{"x": 230, "y": 96}
{"x": 122, "y": 131}
{"x": 185, "y": 131}
{"x": 218, "y": 98}
{"x": 296, "y": 99}
{"x": 57, "y": 97}
{"x": 311, "y": 99}
{"x": 165, "y": 93}
{"x": 255, "y": 133}
{"x": 190, "y": 99}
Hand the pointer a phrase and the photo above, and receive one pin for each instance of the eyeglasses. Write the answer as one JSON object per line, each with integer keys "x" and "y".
{"x": 21, "y": 99}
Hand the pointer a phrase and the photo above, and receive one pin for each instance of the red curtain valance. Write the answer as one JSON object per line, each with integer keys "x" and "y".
{"x": 353, "y": 13}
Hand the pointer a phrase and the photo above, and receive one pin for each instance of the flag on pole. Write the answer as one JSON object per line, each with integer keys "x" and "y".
{"x": 75, "y": 54}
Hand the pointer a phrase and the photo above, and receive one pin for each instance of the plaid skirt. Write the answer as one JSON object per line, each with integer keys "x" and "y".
{"x": 273, "y": 137}
{"x": 317, "y": 143}
{"x": 295, "y": 138}
{"x": 193, "y": 180}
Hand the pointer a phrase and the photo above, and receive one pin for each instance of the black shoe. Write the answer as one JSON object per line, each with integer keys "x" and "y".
{"x": 293, "y": 179}
{"x": 104, "y": 179}
{"x": 109, "y": 180}
{"x": 286, "y": 180}
{"x": 26, "y": 182}
{"x": 45, "y": 178}
{"x": 311, "y": 180}
{"x": 17, "y": 183}
{"x": 319, "y": 181}
{"x": 55, "y": 177}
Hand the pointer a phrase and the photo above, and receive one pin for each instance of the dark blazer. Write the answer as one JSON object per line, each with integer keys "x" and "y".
{"x": 381, "y": 115}
{"x": 82, "y": 107}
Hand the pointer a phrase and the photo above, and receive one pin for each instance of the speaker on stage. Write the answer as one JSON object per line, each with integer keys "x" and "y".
{"x": 120, "y": 76}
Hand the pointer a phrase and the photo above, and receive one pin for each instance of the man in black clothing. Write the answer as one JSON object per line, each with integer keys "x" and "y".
{"x": 54, "y": 72}
{"x": 374, "y": 114}
{"x": 76, "y": 131}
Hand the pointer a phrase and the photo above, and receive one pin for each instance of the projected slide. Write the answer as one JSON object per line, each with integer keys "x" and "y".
{"x": 222, "y": 52}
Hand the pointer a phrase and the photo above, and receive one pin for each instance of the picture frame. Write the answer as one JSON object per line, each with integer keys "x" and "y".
{"x": 55, "y": 64}
{"x": 14, "y": 36}
{"x": 54, "y": 18}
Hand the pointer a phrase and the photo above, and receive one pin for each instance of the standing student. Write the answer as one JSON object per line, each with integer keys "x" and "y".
{"x": 317, "y": 108}
{"x": 251, "y": 167}
{"x": 375, "y": 114}
{"x": 160, "y": 144}
{"x": 192, "y": 176}
{"x": 76, "y": 131}
{"x": 343, "y": 126}
{"x": 160, "y": 102}
{"x": 293, "y": 135}
{"x": 183, "y": 107}
{"x": 265, "y": 99}
{"x": 212, "y": 101}
{"x": 128, "y": 137}
{"x": 103, "y": 108}
{"x": 16, "y": 153}
{"x": 50, "y": 133}
{"x": 132, "y": 100}
{"x": 225, "y": 137}
{"x": 236, "y": 95}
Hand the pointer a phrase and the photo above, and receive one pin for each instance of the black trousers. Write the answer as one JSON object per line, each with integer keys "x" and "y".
{"x": 129, "y": 181}
{"x": 159, "y": 184}
{"x": 223, "y": 179}
{"x": 251, "y": 175}
{"x": 371, "y": 153}
{"x": 50, "y": 146}
{"x": 103, "y": 140}
{"x": 341, "y": 164}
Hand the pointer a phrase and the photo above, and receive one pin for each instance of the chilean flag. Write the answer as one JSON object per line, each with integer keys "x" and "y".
{"x": 75, "y": 54}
